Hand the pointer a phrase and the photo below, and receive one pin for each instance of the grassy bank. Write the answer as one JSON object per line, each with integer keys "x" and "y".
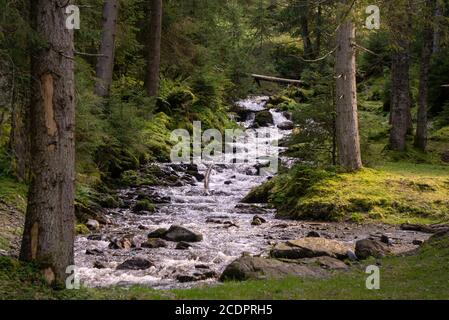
{"x": 391, "y": 193}
{"x": 421, "y": 276}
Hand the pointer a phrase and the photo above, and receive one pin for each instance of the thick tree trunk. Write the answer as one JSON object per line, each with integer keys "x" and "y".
{"x": 400, "y": 82}
{"x": 49, "y": 227}
{"x": 154, "y": 48}
{"x": 347, "y": 127}
{"x": 105, "y": 62}
{"x": 426, "y": 56}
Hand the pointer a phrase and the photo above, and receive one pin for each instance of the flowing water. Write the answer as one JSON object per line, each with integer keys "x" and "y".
{"x": 216, "y": 214}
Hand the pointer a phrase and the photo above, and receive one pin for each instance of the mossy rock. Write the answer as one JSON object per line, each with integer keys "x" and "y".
{"x": 144, "y": 205}
{"x": 259, "y": 194}
{"x": 81, "y": 229}
{"x": 264, "y": 118}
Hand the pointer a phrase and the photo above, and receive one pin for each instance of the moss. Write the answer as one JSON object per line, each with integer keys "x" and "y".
{"x": 81, "y": 229}
{"x": 144, "y": 205}
{"x": 260, "y": 194}
{"x": 13, "y": 193}
{"x": 393, "y": 194}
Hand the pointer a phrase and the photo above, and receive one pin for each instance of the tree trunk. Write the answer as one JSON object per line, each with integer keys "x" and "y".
{"x": 400, "y": 81}
{"x": 426, "y": 56}
{"x": 347, "y": 127}
{"x": 154, "y": 48}
{"x": 105, "y": 62}
{"x": 304, "y": 28}
{"x": 49, "y": 226}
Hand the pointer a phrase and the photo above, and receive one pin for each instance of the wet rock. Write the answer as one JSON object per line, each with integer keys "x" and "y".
{"x": 126, "y": 243}
{"x": 136, "y": 263}
{"x": 99, "y": 265}
{"x": 213, "y": 220}
{"x": 196, "y": 277}
{"x": 142, "y": 227}
{"x": 94, "y": 252}
{"x": 93, "y": 225}
{"x": 313, "y": 234}
{"x": 178, "y": 234}
{"x": 95, "y": 237}
{"x": 385, "y": 239}
{"x": 286, "y": 125}
{"x": 228, "y": 182}
{"x": 260, "y": 218}
{"x": 417, "y": 242}
{"x": 230, "y": 224}
{"x": 310, "y": 248}
{"x": 159, "y": 233}
{"x": 256, "y": 222}
{"x": 370, "y": 248}
{"x": 250, "y": 209}
{"x": 257, "y": 268}
{"x": 153, "y": 243}
{"x": 183, "y": 246}
{"x": 263, "y": 119}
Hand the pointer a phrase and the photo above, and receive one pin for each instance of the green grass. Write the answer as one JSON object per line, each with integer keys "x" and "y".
{"x": 13, "y": 193}
{"x": 422, "y": 276}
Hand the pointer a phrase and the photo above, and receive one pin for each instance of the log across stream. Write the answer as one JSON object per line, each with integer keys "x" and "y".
{"x": 225, "y": 226}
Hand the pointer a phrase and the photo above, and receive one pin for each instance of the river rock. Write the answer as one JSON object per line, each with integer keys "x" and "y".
{"x": 178, "y": 234}
{"x": 286, "y": 125}
{"x": 243, "y": 208}
{"x": 159, "y": 233}
{"x": 257, "y": 268}
{"x": 99, "y": 265}
{"x": 95, "y": 237}
{"x": 263, "y": 119}
{"x": 182, "y": 245}
{"x": 310, "y": 248}
{"x": 126, "y": 243}
{"x": 153, "y": 243}
{"x": 325, "y": 262}
{"x": 256, "y": 222}
{"x": 370, "y": 248}
{"x": 196, "y": 277}
{"x": 136, "y": 263}
{"x": 94, "y": 252}
{"x": 93, "y": 225}
{"x": 313, "y": 234}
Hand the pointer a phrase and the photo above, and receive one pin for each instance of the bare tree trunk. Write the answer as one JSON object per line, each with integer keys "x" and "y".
{"x": 400, "y": 81}
{"x": 154, "y": 48}
{"x": 426, "y": 56}
{"x": 347, "y": 127}
{"x": 105, "y": 62}
{"x": 49, "y": 226}
{"x": 437, "y": 28}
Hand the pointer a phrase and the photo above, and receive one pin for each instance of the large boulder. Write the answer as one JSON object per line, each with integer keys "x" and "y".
{"x": 310, "y": 248}
{"x": 370, "y": 248}
{"x": 256, "y": 268}
{"x": 136, "y": 263}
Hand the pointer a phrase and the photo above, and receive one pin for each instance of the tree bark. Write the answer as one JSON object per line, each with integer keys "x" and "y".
{"x": 105, "y": 62}
{"x": 154, "y": 48}
{"x": 426, "y": 56}
{"x": 304, "y": 28}
{"x": 49, "y": 225}
{"x": 400, "y": 82}
{"x": 347, "y": 127}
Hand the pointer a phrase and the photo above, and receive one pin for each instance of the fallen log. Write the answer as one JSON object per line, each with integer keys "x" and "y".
{"x": 425, "y": 228}
{"x": 258, "y": 78}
